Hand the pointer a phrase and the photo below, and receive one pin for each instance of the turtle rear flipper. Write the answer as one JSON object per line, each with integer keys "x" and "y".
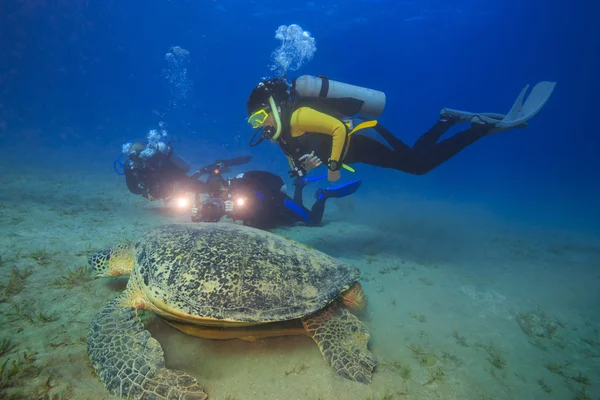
{"x": 129, "y": 361}
{"x": 343, "y": 340}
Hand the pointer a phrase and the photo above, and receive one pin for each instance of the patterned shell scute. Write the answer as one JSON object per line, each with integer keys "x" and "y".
{"x": 233, "y": 272}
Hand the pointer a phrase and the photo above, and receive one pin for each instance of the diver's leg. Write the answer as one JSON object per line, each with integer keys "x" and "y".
{"x": 432, "y": 153}
{"x": 293, "y": 211}
{"x": 429, "y": 138}
{"x": 372, "y": 152}
{"x": 338, "y": 191}
{"x": 298, "y": 187}
{"x": 316, "y": 212}
{"x": 425, "y": 155}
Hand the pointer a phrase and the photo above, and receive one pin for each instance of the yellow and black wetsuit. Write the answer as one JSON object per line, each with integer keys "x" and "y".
{"x": 309, "y": 130}
{"x": 304, "y": 130}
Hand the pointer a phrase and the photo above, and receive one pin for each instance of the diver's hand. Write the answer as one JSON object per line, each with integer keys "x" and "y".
{"x": 310, "y": 161}
{"x": 333, "y": 176}
{"x": 297, "y": 172}
{"x": 228, "y": 206}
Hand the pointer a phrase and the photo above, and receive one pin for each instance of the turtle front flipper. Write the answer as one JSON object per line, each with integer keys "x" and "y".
{"x": 343, "y": 340}
{"x": 129, "y": 361}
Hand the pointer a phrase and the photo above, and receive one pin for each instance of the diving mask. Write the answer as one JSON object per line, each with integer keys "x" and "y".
{"x": 257, "y": 119}
{"x": 266, "y": 132}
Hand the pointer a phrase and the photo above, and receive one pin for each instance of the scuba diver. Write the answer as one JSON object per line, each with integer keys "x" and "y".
{"x": 156, "y": 172}
{"x": 316, "y": 120}
{"x": 258, "y": 199}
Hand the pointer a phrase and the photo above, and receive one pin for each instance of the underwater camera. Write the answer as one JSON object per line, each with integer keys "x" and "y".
{"x": 215, "y": 207}
{"x": 211, "y": 210}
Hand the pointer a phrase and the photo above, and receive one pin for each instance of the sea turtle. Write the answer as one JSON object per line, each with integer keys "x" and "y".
{"x": 221, "y": 281}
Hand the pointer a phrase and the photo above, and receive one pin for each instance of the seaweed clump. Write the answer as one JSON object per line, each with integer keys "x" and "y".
{"x": 41, "y": 256}
{"x": 436, "y": 373}
{"x": 496, "y": 358}
{"x": 25, "y": 311}
{"x": 404, "y": 370}
{"x": 15, "y": 284}
{"x": 12, "y": 371}
{"x": 460, "y": 340}
{"x": 426, "y": 358}
{"x": 537, "y": 325}
{"x": 81, "y": 276}
{"x": 558, "y": 368}
{"x": 6, "y": 346}
{"x": 544, "y": 386}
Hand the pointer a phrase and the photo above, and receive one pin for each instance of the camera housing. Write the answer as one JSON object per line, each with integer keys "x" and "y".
{"x": 211, "y": 210}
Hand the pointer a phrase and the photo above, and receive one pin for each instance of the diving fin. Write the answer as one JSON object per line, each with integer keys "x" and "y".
{"x": 465, "y": 116}
{"x": 309, "y": 179}
{"x": 301, "y": 182}
{"x": 521, "y": 113}
{"x": 518, "y": 115}
{"x": 338, "y": 191}
{"x": 477, "y": 118}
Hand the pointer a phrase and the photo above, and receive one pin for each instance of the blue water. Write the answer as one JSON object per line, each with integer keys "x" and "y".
{"x": 89, "y": 74}
{"x": 80, "y": 78}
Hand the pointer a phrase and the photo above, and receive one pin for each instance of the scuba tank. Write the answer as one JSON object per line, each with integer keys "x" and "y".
{"x": 346, "y": 98}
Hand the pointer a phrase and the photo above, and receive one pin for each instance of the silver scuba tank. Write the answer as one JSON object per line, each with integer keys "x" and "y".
{"x": 373, "y": 101}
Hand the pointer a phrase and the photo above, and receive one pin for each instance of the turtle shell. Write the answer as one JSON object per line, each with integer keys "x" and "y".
{"x": 232, "y": 273}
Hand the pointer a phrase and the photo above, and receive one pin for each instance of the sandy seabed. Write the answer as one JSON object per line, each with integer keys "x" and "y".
{"x": 457, "y": 310}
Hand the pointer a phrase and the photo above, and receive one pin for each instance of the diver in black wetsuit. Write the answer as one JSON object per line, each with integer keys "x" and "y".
{"x": 159, "y": 175}
{"x": 265, "y": 205}
{"x": 257, "y": 199}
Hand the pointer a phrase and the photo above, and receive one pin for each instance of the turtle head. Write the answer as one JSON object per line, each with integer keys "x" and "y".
{"x": 114, "y": 261}
{"x": 355, "y": 298}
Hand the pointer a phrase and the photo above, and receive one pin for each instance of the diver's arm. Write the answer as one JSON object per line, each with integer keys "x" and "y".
{"x": 132, "y": 181}
{"x": 295, "y": 171}
{"x": 306, "y": 119}
{"x": 291, "y": 162}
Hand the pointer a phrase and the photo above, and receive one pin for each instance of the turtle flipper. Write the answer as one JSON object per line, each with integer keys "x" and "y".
{"x": 130, "y": 362}
{"x": 343, "y": 340}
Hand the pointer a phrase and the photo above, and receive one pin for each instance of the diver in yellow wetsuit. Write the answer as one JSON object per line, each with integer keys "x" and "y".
{"x": 313, "y": 131}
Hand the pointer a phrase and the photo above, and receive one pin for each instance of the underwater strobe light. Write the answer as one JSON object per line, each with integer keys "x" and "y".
{"x": 182, "y": 202}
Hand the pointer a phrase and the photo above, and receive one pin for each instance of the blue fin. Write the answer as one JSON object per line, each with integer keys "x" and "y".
{"x": 308, "y": 179}
{"x": 339, "y": 191}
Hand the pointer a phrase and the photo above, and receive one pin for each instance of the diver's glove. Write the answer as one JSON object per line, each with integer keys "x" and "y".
{"x": 310, "y": 161}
